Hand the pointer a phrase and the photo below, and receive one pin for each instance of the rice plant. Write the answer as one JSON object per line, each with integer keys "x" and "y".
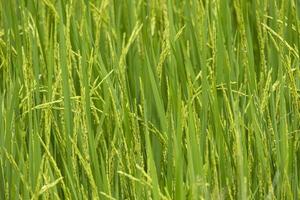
{"x": 149, "y": 99}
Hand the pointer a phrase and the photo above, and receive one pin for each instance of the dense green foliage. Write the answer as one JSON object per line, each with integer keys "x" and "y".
{"x": 149, "y": 99}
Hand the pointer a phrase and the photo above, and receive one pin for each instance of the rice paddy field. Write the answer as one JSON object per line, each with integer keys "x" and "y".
{"x": 149, "y": 99}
